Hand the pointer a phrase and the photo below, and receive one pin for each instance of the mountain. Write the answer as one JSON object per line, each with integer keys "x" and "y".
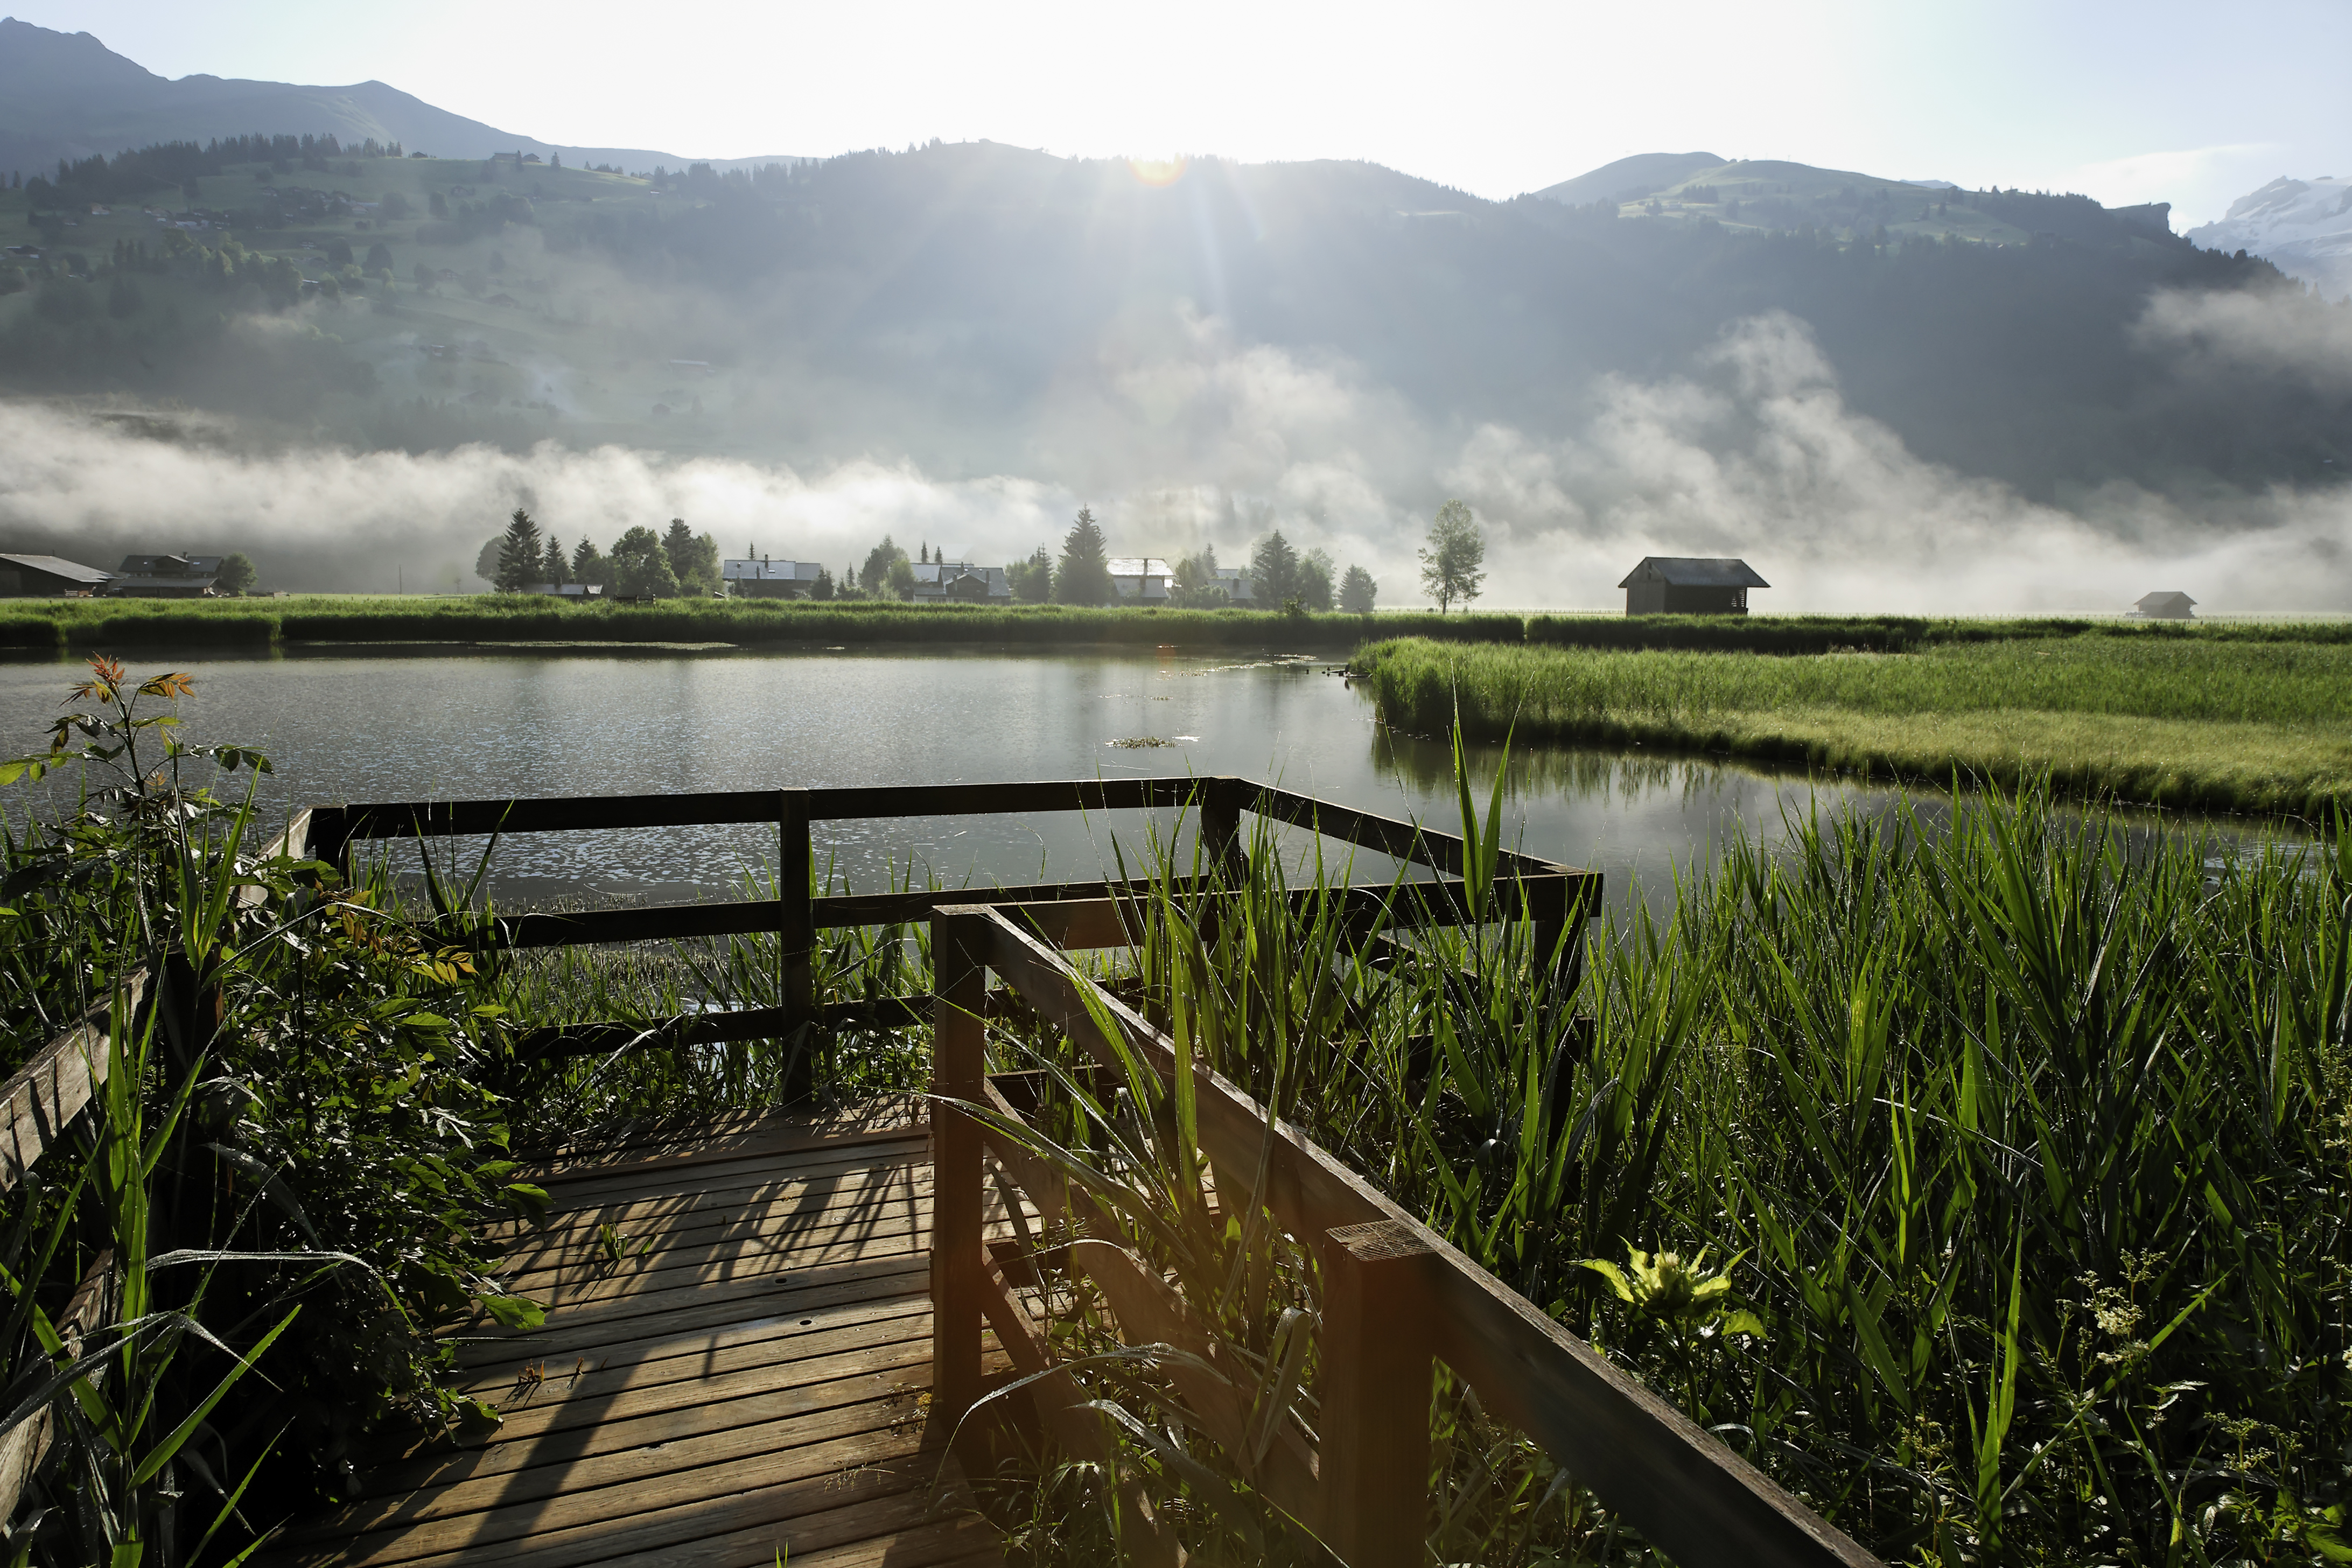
{"x": 1629, "y": 177}
{"x": 2303, "y": 228}
{"x": 67, "y": 95}
{"x": 1777, "y": 195}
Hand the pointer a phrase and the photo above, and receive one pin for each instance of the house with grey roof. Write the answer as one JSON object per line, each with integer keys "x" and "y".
{"x": 1689, "y": 585}
{"x": 164, "y": 577}
{"x": 2173, "y": 606}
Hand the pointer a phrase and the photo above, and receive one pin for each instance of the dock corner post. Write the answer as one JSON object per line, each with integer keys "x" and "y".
{"x": 1375, "y": 1387}
{"x": 959, "y": 1071}
{"x": 796, "y": 937}
{"x": 1221, "y": 822}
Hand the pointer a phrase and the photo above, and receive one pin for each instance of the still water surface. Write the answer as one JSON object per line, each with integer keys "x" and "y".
{"x": 368, "y": 727}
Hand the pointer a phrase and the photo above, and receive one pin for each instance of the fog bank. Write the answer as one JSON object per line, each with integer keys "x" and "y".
{"x": 1182, "y": 435}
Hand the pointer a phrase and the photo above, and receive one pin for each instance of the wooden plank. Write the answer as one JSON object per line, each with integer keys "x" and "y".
{"x": 643, "y": 1145}
{"x": 664, "y": 1354}
{"x": 47, "y": 1092}
{"x": 27, "y": 1445}
{"x": 1373, "y": 1393}
{"x": 702, "y": 1307}
{"x": 638, "y": 1449}
{"x": 1688, "y": 1494}
{"x": 596, "y": 1188}
{"x": 739, "y": 1256}
{"x": 766, "y": 1486}
{"x": 643, "y": 1255}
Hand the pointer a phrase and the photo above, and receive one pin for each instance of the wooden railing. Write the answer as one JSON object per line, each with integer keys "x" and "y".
{"x": 1395, "y": 1298}
{"x": 1553, "y": 896}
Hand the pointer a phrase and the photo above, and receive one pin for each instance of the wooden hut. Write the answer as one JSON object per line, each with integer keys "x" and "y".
{"x": 1689, "y": 585}
{"x": 2174, "y": 607}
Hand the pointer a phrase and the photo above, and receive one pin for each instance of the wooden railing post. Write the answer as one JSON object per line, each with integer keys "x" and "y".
{"x": 796, "y": 938}
{"x": 1374, "y": 1389}
{"x": 1221, "y": 823}
{"x": 959, "y": 1068}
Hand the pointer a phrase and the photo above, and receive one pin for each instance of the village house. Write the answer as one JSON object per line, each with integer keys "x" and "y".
{"x": 960, "y": 583}
{"x": 766, "y": 578}
{"x": 42, "y": 576}
{"x": 2173, "y": 606}
{"x": 164, "y": 577}
{"x": 1142, "y": 579}
{"x": 567, "y": 590}
{"x": 1689, "y": 585}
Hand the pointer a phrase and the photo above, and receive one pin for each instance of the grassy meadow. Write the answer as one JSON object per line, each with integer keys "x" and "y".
{"x": 2254, "y": 720}
{"x": 64, "y": 625}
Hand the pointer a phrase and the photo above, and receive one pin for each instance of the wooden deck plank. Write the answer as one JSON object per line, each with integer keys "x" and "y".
{"x": 750, "y": 1377}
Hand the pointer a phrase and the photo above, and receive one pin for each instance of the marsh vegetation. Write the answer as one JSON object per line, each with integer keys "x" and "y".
{"x": 1986, "y": 1184}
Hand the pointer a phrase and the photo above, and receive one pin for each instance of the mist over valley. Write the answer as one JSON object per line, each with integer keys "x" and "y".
{"x": 1889, "y": 395}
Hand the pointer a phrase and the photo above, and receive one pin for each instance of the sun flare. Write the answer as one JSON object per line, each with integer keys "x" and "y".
{"x": 1157, "y": 170}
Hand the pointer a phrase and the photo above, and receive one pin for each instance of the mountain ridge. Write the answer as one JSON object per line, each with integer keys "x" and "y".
{"x": 68, "y": 95}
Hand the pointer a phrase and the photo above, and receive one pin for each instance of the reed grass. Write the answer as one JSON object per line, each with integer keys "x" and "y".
{"x": 2241, "y": 723}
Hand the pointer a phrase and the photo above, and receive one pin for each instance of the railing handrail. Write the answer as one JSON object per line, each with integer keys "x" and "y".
{"x": 1688, "y": 1494}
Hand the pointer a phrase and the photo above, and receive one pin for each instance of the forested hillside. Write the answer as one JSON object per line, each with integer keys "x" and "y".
{"x": 936, "y": 298}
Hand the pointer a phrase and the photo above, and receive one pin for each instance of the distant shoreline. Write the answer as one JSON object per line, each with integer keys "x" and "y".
{"x": 54, "y": 627}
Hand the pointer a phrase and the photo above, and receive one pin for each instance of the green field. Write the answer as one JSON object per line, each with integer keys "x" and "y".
{"x": 2221, "y": 718}
{"x": 64, "y": 625}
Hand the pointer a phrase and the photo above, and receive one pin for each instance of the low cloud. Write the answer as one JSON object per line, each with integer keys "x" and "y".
{"x": 1179, "y": 435}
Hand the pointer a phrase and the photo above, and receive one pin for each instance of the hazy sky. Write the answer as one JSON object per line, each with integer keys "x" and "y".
{"x": 2146, "y": 100}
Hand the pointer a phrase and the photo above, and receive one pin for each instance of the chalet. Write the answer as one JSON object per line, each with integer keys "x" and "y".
{"x": 164, "y": 577}
{"x": 2174, "y": 607}
{"x": 41, "y": 576}
{"x": 1142, "y": 579}
{"x": 1689, "y": 585}
{"x": 960, "y": 583}
{"x": 1236, "y": 581}
{"x": 766, "y": 578}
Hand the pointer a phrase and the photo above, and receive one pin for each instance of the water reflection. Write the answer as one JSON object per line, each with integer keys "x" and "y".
{"x": 362, "y": 726}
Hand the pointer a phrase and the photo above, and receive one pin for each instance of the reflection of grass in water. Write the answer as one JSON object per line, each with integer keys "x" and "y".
{"x": 2187, "y": 721}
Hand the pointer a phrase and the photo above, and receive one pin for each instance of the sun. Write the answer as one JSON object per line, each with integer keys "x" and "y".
{"x": 1156, "y": 170}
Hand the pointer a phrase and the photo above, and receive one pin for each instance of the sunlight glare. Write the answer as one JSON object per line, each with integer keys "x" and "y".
{"x": 1157, "y": 170}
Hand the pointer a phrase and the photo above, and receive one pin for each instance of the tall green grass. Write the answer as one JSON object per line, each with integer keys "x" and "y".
{"x": 2219, "y": 720}
{"x": 1986, "y": 1185}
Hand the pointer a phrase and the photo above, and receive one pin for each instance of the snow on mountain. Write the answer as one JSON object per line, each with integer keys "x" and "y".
{"x": 2301, "y": 227}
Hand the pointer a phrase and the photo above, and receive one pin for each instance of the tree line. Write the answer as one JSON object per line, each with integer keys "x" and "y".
{"x": 641, "y": 563}
{"x": 679, "y": 561}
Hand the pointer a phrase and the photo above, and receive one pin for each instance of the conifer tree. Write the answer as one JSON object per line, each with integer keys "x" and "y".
{"x": 1084, "y": 575}
{"x": 520, "y": 553}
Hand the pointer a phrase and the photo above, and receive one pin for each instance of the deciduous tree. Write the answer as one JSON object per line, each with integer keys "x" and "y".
{"x": 236, "y": 574}
{"x": 1452, "y": 564}
{"x": 641, "y": 567}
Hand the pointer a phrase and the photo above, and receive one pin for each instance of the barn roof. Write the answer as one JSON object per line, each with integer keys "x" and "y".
{"x": 2163, "y": 601}
{"x": 57, "y": 566}
{"x": 1696, "y": 572}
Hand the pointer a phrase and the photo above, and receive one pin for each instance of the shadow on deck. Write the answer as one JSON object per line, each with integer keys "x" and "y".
{"x": 735, "y": 1367}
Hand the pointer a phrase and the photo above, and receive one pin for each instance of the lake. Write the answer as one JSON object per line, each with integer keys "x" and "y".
{"x": 380, "y": 725}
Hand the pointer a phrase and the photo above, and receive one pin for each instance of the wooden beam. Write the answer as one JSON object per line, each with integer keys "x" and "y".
{"x": 47, "y": 1092}
{"x": 959, "y": 1071}
{"x": 27, "y": 1444}
{"x": 1374, "y": 1392}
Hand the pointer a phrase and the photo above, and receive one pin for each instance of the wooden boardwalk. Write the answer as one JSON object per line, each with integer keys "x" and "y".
{"x": 735, "y": 1367}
